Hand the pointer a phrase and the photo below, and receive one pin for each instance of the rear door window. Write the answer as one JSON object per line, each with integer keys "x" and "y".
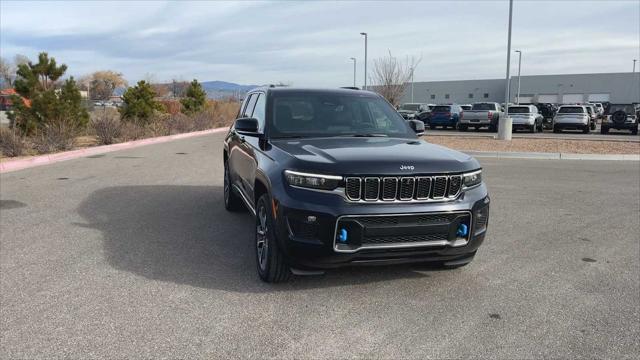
{"x": 571, "y": 110}
{"x": 483, "y": 107}
{"x": 442, "y": 109}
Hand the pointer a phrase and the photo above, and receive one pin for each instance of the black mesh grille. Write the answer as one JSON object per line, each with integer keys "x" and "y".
{"x": 406, "y": 188}
{"x": 439, "y": 187}
{"x": 389, "y": 186}
{"x": 353, "y": 188}
{"x": 455, "y": 184}
{"x": 423, "y": 187}
{"x": 395, "y": 239}
{"x": 371, "y": 188}
{"x": 301, "y": 229}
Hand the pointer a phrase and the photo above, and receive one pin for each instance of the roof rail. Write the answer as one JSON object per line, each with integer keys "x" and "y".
{"x": 350, "y": 87}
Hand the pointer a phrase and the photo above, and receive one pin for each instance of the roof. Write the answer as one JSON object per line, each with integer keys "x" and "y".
{"x": 10, "y": 92}
{"x": 287, "y": 89}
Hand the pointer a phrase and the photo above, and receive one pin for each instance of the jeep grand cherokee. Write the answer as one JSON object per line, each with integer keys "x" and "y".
{"x": 337, "y": 178}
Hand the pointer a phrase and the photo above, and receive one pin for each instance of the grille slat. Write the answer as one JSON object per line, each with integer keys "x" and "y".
{"x": 389, "y": 187}
{"x": 439, "y": 187}
{"x": 407, "y": 188}
{"x": 455, "y": 184}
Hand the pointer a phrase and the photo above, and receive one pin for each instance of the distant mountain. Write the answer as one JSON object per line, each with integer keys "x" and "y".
{"x": 226, "y": 86}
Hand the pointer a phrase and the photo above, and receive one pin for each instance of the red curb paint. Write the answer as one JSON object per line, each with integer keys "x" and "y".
{"x": 13, "y": 165}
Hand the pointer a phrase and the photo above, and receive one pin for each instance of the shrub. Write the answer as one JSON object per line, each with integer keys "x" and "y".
{"x": 179, "y": 123}
{"x": 140, "y": 104}
{"x": 106, "y": 125}
{"x": 55, "y": 137}
{"x": 195, "y": 98}
{"x": 11, "y": 143}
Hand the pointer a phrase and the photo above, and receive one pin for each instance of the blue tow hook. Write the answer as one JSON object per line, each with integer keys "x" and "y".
{"x": 342, "y": 235}
{"x": 463, "y": 230}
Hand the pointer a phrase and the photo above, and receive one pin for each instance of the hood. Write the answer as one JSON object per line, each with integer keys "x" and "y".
{"x": 373, "y": 156}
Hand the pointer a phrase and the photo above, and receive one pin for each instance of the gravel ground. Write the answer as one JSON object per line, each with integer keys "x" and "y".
{"x": 537, "y": 145}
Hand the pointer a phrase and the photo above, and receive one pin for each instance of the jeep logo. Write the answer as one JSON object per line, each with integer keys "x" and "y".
{"x": 407, "y": 167}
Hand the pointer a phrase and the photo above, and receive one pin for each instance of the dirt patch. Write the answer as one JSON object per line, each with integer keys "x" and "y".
{"x": 537, "y": 145}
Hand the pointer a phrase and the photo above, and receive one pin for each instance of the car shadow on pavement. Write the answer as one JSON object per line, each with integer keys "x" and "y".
{"x": 183, "y": 234}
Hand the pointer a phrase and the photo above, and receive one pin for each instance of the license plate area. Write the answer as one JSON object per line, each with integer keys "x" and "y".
{"x": 358, "y": 232}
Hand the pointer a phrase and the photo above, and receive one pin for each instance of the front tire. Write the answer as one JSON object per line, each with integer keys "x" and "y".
{"x": 556, "y": 129}
{"x": 586, "y": 129}
{"x": 270, "y": 262}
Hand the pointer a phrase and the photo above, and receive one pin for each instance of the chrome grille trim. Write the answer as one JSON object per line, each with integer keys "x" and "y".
{"x": 422, "y": 188}
{"x": 385, "y": 181}
{"x": 369, "y": 184}
{"x": 351, "y": 181}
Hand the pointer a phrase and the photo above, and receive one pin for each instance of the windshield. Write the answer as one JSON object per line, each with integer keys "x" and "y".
{"x": 441, "y": 109}
{"x": 626, "y": 108}
{"x": 318, "y": 114}
{"x": 465, "y": 107}
{"x": 410, "y": 107}
{"x": 484, "y": 107}
{"x": 519, "y": 110}
{"x": 571, "y": 110}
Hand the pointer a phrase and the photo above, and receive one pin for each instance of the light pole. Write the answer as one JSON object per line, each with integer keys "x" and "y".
{"x": 365, "y": 59}
{"x": 354, "y": 71}
{"x": 634, "y": 65}
{"x": 519, "y": 66}
{"x": 412, "y": 69}
{"x": 504, "y": 125}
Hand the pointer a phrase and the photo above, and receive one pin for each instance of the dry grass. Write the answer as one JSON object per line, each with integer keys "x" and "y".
{"x": 537, "y": 145}
{"x": 106, "y": 125}
{"x": 11, "y": 143}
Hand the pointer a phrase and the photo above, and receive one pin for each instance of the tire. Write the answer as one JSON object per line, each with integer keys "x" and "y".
{"x": 541, "y": 127}
{"x": 462, "y": 127}
{"x": 493, "y": 128}
{"x": 634, "y": 131}
{"x": 432, "y": 127}
{"x": 556, "y": 129}
{"x": 586, "y": 129}
{"x": 533, "y": 129}
{"x": 232, "y": 201}
{"x": 604, "y": 130}
{"x": 270, "y": 263}
{"x": 593, "y": 125}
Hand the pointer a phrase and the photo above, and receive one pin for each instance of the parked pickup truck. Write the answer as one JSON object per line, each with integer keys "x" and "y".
{"x": 481, "y": 114}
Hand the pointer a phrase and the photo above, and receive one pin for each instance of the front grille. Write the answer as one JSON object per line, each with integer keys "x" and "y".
{"x": 395, "y": 239}
{"x": 407, "y": 230}
{"x": 404, "y": 188}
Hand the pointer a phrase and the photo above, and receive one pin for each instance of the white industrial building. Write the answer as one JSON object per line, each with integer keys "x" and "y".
{"x": 570, "y": 88}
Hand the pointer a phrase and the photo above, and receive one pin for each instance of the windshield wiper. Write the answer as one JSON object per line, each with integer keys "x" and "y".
{"x": 288, "y": 137}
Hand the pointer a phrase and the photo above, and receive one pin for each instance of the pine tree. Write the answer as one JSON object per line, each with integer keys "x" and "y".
{"x": 48, "y": 105}
{"x": 139, "y": 103}
{"x": 195, "y": 98}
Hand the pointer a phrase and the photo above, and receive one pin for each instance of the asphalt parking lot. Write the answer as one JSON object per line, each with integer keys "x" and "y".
{"x": 131, "y": 255}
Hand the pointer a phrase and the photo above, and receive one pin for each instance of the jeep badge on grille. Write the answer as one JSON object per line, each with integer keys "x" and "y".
{"x": 407, "y": 167}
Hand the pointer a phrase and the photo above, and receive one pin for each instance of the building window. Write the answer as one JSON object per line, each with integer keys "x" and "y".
{"x": 433, "y": 97}
{"x": 446, "y": 96}
{"x": 470, "y": 96}
{"x": 486, "y": 95}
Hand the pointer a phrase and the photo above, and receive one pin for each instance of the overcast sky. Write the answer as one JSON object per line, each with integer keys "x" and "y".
{"x": 310, "y": 43}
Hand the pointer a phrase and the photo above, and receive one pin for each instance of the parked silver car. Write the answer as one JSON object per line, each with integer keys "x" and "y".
{"x": 526, "y": 117}
{"x": 572, "y": 117}
{"x": 481, "y": 114}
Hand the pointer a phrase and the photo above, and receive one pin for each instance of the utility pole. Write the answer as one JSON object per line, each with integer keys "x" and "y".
{"x": 505, "y": 124}
{"x": 519, "y": 66}
{"x": 412, "y": 69}
{"x": 354, "y": 71}
{"x": 365, "y": 58}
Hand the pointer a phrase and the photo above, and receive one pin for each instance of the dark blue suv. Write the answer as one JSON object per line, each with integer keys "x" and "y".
{"x": 338, "y": 177}
{"x": 445, "y": 116}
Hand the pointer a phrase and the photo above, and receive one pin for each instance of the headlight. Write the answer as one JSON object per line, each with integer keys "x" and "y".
{"x": 312, "y": 181}
{"x": 472, "y": 179}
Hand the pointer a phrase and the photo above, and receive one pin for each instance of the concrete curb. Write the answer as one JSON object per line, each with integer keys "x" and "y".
{"x": 537, "y": 137}
{"x": 19, "y": 164}
{"x": 553, "y": 156}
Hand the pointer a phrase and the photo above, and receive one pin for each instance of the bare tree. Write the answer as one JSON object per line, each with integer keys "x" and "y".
{"x": 390, "y": 76}
{"x": 8, "y": 69}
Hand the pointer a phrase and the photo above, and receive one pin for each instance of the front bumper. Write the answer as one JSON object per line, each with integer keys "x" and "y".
{"x": 307, "y": 222}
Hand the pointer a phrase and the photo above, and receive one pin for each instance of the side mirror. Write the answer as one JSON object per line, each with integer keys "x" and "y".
{"x": 248, "y": 126}
{"x": 417, "y": 126}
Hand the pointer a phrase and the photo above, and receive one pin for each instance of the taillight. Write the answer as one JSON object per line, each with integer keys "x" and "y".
{"x": 490, "y": 115}
{"x": 461, "y": 113}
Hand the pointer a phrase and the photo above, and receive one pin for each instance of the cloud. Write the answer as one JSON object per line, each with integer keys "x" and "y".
{"x": 310, "y": 43}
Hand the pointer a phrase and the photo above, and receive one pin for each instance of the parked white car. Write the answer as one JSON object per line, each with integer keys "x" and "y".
{"x": 599, "y": 108}
{"x": 526, "y": 117}
{"x": 572, "y": 117}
